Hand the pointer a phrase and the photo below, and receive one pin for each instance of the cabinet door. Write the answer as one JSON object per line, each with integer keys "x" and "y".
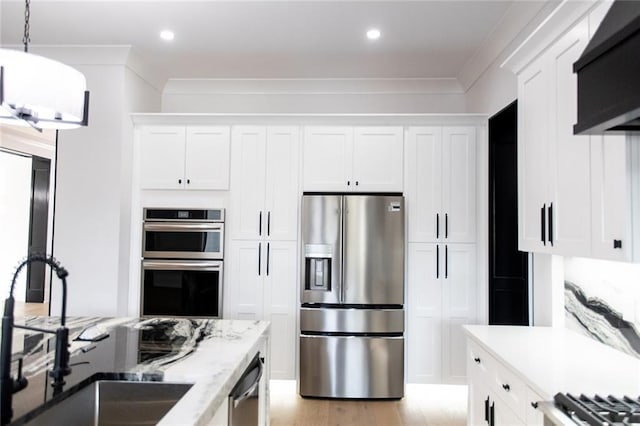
{"x": 458, "y": 306}
{"x": 281, "y": 203}
{"x": 377, "y": 159}
{"x": 424, "y": 311}
{"x": 162, "y": 157}
{"x": 533, "y": 158}
{"x": 424, "y": 184}
{"x": 479, "y": 404}
{"x": 504, "y": 415}
{"x": 248, "y": 152}
{"x": 280, "y": 273}
{"x": 207, "y": 158}
{"x": 569, "y": 155}
{"x": 327, "y": 158}
{"x": 459, "y": 184}
{"x": 609, "y": 198}
{"x": 244, "y": 288}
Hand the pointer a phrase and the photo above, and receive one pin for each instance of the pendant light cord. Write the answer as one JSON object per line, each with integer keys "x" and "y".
{"x": 27, "y": 15}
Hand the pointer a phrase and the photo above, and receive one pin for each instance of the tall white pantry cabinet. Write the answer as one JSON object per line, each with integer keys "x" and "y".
{"x": 442, "y": 279}
{"x": 262, "y": 257}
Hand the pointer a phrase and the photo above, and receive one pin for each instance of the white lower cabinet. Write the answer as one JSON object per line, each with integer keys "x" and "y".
{"x": 261, "y": 279}
{"x": 441, "y": 298}
{"x": 497, "y": 396}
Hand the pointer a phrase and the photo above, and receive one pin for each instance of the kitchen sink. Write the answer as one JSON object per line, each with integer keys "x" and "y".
{"x": 112, "y": 402}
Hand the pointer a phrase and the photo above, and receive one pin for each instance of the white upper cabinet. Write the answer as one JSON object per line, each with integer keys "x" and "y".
{"x": 358, "y": 159}
{"x": 185, "y": 157}
{"x": 377, "y": 159}
{"x": 553, "y": 165}
{"x": 264, "y": 186}
{"x": 441, "y": 184}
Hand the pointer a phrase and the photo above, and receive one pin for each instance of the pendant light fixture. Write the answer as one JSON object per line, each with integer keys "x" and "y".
{"x": 39, "y": 91}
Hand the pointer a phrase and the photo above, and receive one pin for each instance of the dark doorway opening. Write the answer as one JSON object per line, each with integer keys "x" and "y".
{"x": 508, "y": 267}
{"x": 38, "y": 224}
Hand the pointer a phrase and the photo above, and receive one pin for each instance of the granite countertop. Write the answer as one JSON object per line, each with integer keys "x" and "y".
{"x": 212, "y": 354}
{"x": 553, "y": 360}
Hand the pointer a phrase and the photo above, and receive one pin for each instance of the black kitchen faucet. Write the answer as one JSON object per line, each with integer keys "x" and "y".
{"x": 9, "y": 385}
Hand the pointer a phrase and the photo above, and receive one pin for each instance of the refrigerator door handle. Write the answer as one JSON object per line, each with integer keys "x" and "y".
{"x": 269, "y": 223}
{"x": 437, "y": 225}
{"x": 260, "y": 223}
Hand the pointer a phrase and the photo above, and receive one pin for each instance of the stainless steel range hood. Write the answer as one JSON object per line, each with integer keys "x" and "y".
{"x": 609, "y": 74}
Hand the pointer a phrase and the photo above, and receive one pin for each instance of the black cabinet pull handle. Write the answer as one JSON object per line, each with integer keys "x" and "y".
{"x": 437, "y": 225}
{"x": 506, "y": 387}
{"x": 267, "y": 259}
{"x": 477, "y": 360}
{"x": 357, "y": 183}
{"x": 543, "y": 224}
{"x": 188, "y": 181}
{"x": 534, "y": 405}
{"x": 446, "y": 262}
{"x": 486, "y": 410}
{"x": 180, "y": 181}
{"x": 437, "y": 261}
{"x": 348, "y": 183}
{"x": 446, "y": 225}
{"x": 260, "y": 223}
{"x": 492, "y": 414}
{"x": 551, "y": 224}
{"x": 259, "y": 257}
{"x": 268, "y": 223}
{"x": 617, "y": 244}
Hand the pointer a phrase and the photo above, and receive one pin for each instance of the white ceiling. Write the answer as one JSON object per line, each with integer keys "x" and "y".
{"x": 277, "y": 39}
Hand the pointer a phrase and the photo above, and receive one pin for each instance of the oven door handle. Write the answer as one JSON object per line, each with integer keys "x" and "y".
{"x": 182, "y": 227}
{"x": 169, "y": 265}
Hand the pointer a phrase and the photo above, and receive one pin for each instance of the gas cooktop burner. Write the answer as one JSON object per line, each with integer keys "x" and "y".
{"x": 598, "y": 411}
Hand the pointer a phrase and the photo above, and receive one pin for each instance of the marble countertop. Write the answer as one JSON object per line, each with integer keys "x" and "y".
{"x": 211, "y": 354}
{"x": 553, "y": 360}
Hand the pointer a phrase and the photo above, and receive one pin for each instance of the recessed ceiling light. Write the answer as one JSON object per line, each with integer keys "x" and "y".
{"x": 373, "y": 34}
{"x": 167, "y": 35}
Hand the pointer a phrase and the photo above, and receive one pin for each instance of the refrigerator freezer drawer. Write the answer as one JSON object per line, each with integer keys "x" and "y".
{"x": 351, "y": 367}
{"x": 337, "y": 320}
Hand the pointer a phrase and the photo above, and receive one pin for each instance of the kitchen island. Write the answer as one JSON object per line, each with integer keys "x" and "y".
{"x": 207, "y": 353}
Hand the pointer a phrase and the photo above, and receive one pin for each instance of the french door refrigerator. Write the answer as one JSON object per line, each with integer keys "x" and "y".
{"x": 352, "y": 296}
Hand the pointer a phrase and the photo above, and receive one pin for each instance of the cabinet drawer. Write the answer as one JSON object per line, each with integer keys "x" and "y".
{"x": 477, "y": 360}
{"x": 509, "y": 388}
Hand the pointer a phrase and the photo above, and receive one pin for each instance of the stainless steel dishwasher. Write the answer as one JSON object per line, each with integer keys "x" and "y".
{"x": 244, "y": 397}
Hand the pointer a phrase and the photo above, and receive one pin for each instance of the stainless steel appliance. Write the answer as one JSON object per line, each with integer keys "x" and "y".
{"x": 183, "y": 234}
{"x": 568, "y": 409}
{"x": 245, "y": 395}
{"x": 352, "y": 296}
{"x": 182, "y": 265}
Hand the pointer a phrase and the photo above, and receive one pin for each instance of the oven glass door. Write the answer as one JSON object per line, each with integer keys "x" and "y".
{"x": 182, "y": 288}
{"x": 183, "y": 240}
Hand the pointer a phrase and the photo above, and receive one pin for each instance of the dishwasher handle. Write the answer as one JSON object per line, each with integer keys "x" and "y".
{"x": 249, "y": 381}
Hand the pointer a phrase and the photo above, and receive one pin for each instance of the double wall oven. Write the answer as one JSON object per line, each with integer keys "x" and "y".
{"x": 182, "y": 262}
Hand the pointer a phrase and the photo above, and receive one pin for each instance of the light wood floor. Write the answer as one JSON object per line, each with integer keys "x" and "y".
{"x": 432, "y": 405}
{"x": 31, "y": 309}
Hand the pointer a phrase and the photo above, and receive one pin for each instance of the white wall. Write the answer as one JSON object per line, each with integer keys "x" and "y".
{"x": 326, "y": 96}
{"x": 93, "y": 189}
{"x": 15, "y": 204}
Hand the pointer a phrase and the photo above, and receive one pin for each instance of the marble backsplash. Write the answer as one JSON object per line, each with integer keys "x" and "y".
{"x": 601, "y": 301}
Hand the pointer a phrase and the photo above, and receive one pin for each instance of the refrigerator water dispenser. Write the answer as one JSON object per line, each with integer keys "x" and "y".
{"x": 317, "y": 267}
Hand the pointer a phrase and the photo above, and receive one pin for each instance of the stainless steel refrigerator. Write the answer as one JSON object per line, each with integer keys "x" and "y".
{"x": 352, "y": 296}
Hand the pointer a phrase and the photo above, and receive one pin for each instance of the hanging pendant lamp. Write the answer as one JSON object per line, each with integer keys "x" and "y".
{"x": 39, "y": 91}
